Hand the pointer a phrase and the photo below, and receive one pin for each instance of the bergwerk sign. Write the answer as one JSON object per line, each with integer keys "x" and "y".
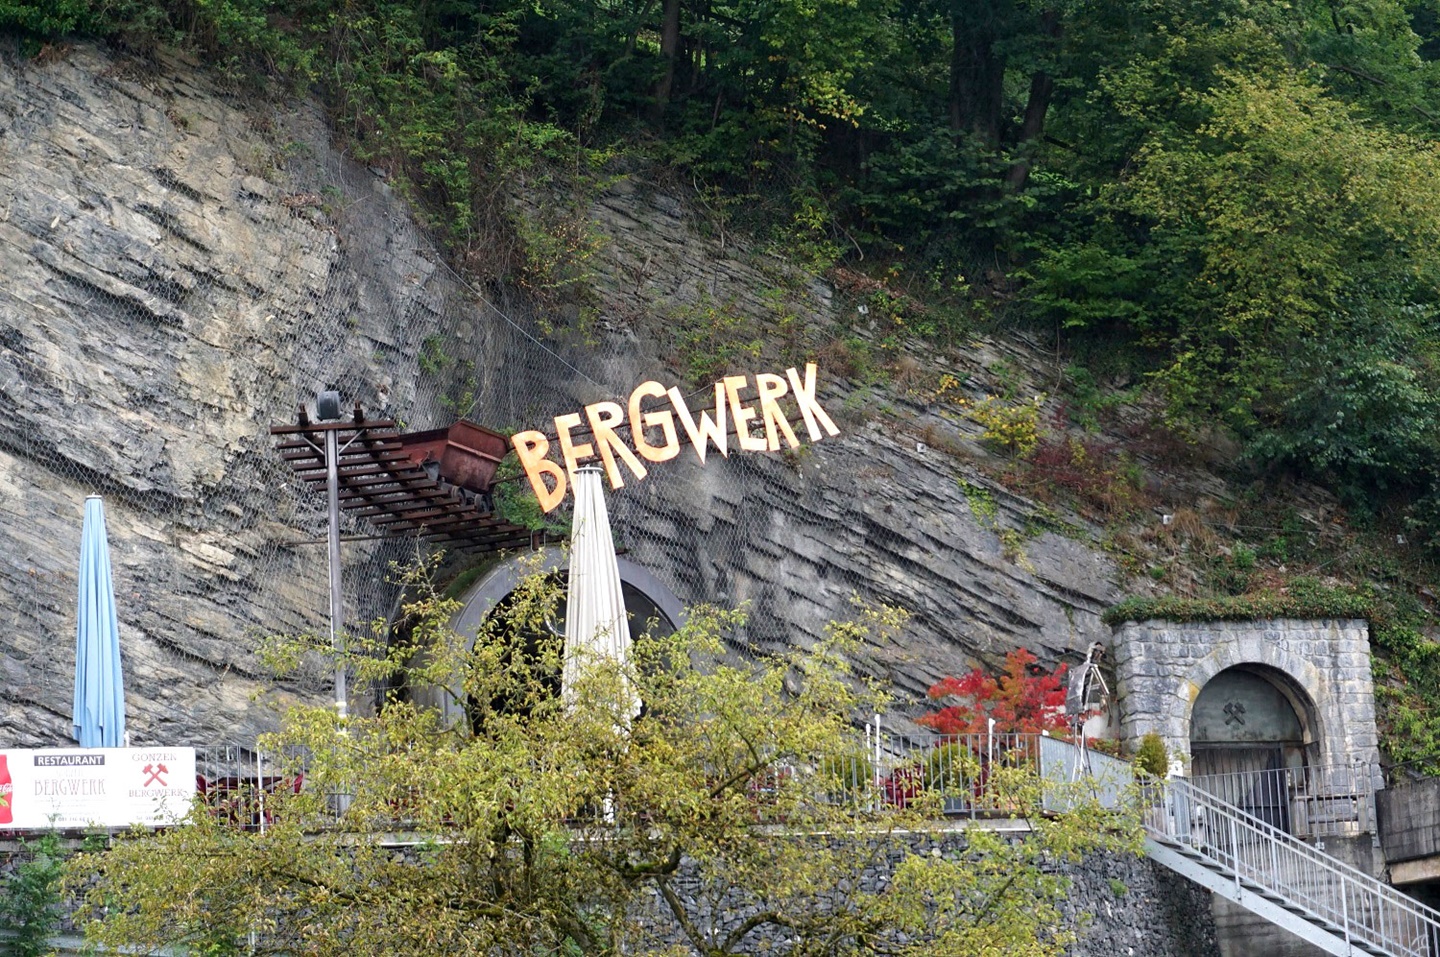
{"x": 760, "y": 423}
{"x": 101, "y": 787}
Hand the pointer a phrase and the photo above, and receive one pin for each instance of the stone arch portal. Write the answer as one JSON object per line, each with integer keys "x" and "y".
{"x": 1319, "y": 668}
{"x": 646, "y": 599}
{"x": 1249, "y": 732}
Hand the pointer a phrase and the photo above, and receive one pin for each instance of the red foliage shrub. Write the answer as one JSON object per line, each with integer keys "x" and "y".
{"x": 1024, "y": 700}
{"x": 1093, "y": 472}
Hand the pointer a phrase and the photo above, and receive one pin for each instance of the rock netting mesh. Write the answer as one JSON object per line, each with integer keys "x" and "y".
{"x": 181, "y": 272}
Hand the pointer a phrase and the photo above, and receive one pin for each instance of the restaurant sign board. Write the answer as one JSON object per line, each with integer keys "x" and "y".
{"x": 95, "y": 787}
{"x": 760, "y": 422}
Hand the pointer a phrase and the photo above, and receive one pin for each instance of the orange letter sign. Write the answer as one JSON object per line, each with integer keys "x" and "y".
{"x": 531, "y": 447}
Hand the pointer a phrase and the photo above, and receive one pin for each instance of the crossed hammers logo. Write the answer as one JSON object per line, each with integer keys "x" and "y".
{"x": 156, "y": 774}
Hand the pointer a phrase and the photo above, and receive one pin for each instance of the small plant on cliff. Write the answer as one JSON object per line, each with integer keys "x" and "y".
{"x": 1014, "y": 427}
{"x": 515, "y": 502}
{"x": 1023, "y": 699}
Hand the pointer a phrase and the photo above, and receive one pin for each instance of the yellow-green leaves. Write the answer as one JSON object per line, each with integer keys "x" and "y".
{"x": 557, "y": 825}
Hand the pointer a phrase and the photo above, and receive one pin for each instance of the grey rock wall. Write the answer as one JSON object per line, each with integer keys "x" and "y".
{"x": 181, "y": 270}
{"x": 169, "y": 293}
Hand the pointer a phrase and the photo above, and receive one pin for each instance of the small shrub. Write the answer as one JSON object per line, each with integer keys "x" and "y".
{"x": 30, "y": 898}
{"x": 1023, "y": 699}
{"x": 1234, "y": 574}
{"x": 853, "y": 358}
{"x": 712, "y": 339}
{"x": 904, "y": 785}
{"x": 1096, "y": 473}
{"x": 981, "y": 501}
{"x": 949, "y": 766}
{"x": 847, "y": 777}
{"x": 1152, "y": 757}
{"x": 1014, "y": 428}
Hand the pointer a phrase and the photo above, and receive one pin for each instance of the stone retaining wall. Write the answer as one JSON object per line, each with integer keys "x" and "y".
{"x": 1118, "y": 905}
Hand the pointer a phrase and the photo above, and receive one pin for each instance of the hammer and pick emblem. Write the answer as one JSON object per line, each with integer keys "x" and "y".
{"x": 155, "y": 774}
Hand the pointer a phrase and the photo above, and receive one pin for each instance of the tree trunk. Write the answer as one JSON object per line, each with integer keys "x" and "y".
{"x": 977, "y": 73}
{"x": 669, "y": 50}
{"x": 1032, "y": 128}
{"x": 1042, "y": 86}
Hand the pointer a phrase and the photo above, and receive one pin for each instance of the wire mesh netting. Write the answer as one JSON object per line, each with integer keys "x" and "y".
{"x": 183, "y": 273}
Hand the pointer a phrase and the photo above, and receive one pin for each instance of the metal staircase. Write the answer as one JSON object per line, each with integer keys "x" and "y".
{"x": 1285, "y": 880}
{"x": 1269, "y": 872}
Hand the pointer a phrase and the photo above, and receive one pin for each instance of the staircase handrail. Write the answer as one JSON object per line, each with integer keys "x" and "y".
{"x": 1359, "y": 906}
{"x": 1318, "y": 800}
{"x": 1319, "y": 780}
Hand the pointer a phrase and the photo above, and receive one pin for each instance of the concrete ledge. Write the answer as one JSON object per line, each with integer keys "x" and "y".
{"x": 1415, "y": 872}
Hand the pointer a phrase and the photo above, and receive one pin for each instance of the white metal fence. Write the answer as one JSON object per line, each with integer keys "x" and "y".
{"x": 1308, "y": 802}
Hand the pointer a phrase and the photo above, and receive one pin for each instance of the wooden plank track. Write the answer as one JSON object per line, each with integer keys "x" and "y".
{"x": 399, "y": 496}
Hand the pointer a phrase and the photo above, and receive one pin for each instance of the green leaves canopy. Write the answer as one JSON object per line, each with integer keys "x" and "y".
{"x": 553, "y": 826}
{"x": 1281, "y": 259}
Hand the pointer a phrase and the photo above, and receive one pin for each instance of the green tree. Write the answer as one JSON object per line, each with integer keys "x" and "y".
{"x": 1277, "y": 253}
{"x": 548, "y": 825}
{"x": 30, "y": 897}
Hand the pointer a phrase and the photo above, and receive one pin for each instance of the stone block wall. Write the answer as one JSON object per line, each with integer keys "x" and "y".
{"x": 1117, "y": 905}
{"x": 1410, "y": 820}
{"x": 1132, "y": 907}
{"x": 1161, "y": 667}
{"x": 1322, "y": 667}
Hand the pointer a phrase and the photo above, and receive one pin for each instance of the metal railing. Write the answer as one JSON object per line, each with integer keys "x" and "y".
{"x": 239, "y": 784}
{"x": 1309, "y": 802}
{"x": 956, "y": 772}
{"x": 956, "y": 775}
{"x": 1260, "y": 857}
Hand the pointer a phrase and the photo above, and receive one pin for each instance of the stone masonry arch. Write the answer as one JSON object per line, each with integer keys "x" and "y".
{"x": 645, "y": 595}
{"x": 1322, "y": 666}
{"x": 492, "y": 587}
{"x": 1296, "y": 678}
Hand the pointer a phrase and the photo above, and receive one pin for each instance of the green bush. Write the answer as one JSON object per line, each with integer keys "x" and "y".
{"x": 30, "y": 898}
{"x": 50, "y": 17}
{"x": 949, "y": 768}
{"x": 1302, "y": 598}
{"x": 849, "y": 776}
{"x": 1151, "y": 757}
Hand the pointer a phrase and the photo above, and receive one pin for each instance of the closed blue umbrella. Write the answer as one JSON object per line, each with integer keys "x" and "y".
{"x": 99, "y": 686}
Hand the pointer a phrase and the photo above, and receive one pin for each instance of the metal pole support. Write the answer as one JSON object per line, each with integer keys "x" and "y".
{"x": 337, "y": 614}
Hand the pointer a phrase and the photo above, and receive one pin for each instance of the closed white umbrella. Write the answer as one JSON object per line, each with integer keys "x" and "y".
{"x": 596, "y": 626}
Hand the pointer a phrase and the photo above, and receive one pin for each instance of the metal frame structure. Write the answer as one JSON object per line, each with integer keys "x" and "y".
{"x": 366, "y": 468}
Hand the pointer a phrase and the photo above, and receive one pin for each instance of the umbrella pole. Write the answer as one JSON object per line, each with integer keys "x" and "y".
{"x": 332, "y": 488}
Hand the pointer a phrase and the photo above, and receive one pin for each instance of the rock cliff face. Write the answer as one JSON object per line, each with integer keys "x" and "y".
{"x": 181, "y": 271}
{"x": 169, "y": 293}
